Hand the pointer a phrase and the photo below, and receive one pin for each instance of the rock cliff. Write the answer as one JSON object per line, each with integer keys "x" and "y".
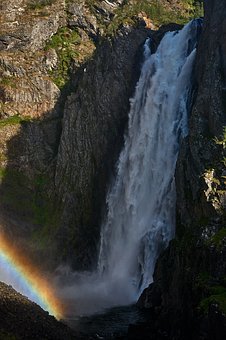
{"x": 23, "y": 319}
{"x": 92, "y": 136}
{"x": 67, "y": 71}
{"x": 188, "y": 293}
{"x": 55, "y": 89}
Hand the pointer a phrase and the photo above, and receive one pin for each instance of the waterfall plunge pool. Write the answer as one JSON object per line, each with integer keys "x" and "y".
{"x": 112, "y": 323}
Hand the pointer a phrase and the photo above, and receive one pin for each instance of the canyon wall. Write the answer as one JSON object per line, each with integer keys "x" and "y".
{"x": 67, "y": 71}
{"x": 188, "y": 293}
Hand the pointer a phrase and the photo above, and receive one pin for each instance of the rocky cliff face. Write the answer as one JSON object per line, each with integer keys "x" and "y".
{"x": 189, "y": 290}
{"x": 92, "y": 136}
{"x": 26, "y": 88}
{"x": 42, "y": 43}
{"x": 63, "y": 169}
{"x": 52, "y": 192}
{"x": 94, "y": 122}
{"x": 23, "y": 319}
{"x": 67, "y": 71}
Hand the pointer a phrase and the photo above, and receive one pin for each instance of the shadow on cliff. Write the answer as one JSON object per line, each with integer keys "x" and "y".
{"x": 28, "y": 199}
{"x": 54, "y": 214}
{"x": 59, "y": 167}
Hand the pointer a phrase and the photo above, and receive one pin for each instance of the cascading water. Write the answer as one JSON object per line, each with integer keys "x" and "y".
{"x": 141, "y": 203}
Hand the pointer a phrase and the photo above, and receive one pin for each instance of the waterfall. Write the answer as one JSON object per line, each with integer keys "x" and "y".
{"x": 141, "y": 203}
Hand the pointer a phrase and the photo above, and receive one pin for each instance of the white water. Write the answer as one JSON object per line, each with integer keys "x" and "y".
{"x": 141, "y": 203}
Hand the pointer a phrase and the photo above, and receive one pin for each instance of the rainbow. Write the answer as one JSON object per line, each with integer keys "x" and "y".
{"x": 17, "y": 270}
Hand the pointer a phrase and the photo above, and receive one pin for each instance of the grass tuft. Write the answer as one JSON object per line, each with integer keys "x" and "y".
{"x": 14, "y": 120}
{"x": 39, "y": 4}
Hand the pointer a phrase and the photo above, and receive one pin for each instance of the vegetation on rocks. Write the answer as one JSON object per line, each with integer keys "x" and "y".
{"x": 39, "y": 4}
{"x": 13, "y": 120}
{"x": 29, "y": 66}
{"x": 156, "y": 12}
{"x": 222, "y": 140}
{"x": 217, "y": 295}
{"x": 219, "y": 239}
{"x": 8, "y": 81}
{"x": 65, "y": 43}
{"x": 27, "y": 192}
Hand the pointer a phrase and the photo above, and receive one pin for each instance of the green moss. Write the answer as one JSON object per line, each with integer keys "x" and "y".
{"x": 198, "y": 9}
{"x": 222, "y": 140}
{"x": 215, "y": 180}
{"x": 39, "y": 4}
{"x": 218, "y": 296}
{"x": 64, "y": 42}
{"x": 194, "y": 7}
{"x": 2, "y": 173}
{"x": 218, "y": 239}
{"x": 212, "y": 293}
{"x": 14, "y": 120}
{"x": 129, "y": 14}
{"x": 8, "y": 81}
{"x": 158, "y": 14}
{"x": 202, "y": 281}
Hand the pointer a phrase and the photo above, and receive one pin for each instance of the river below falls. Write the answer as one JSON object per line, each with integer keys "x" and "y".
{"x": 111, "y": 324}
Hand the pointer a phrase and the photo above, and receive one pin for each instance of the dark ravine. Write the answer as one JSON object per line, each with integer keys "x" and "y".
{"x": 188, "y": 297}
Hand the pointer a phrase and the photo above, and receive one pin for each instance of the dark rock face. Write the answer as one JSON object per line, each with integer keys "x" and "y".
{"x": 23, "y": 319}
{"x": 92, "y": 136}
{"x": 94, "y": 122}
{"x": 44, "y": 47}
{"x": 29, "y": 148}
{"x": 187, "y": 298}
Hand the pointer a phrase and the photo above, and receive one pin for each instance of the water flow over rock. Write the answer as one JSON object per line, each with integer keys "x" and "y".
{"x": 141, "y": 203}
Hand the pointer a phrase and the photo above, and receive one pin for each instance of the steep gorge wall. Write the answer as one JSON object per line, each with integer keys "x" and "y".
{"x": 92, "y": 136}
{"x": 187, "y": 298}
{"x": 53, "y": 198}
{"x": 37, "y": 75}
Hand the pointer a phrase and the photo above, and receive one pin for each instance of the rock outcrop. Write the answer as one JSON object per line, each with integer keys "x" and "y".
{"x": 22, "y": 319}
{"x": 94, "y": 120}
{"x": 187, "y": 298}
{"x": 26, "y": 88}
{"x": 63, "y": 111}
